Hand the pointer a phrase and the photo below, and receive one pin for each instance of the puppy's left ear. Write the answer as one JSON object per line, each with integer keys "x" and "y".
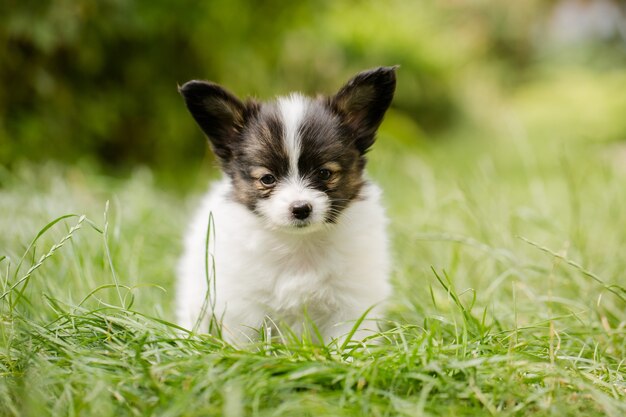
{"x": 363, "y": 101}
{"x": 218, "y": 112}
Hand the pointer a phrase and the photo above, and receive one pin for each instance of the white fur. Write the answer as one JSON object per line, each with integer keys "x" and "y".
{"x": 292, "y": 109}
{"x": 336, "y": 272}
{"x": 277, "y": 210}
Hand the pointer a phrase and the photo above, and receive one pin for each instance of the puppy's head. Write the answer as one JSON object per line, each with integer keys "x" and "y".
{"x": 296, "y": 162}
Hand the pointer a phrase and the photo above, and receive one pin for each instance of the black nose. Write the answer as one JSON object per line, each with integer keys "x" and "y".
{"x": 301, "y": 210}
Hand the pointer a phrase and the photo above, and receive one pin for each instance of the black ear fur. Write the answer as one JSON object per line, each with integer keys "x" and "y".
{"x": 218, "y": 112}
{"x": 363, "y": 101}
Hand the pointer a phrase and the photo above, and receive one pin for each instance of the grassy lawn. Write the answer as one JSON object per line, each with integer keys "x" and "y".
{"x": 510, "y": 252}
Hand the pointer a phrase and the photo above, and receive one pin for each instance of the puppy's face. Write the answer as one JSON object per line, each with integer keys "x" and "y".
{"x": 295, "y": 165}
{"x": 296, "y": 162}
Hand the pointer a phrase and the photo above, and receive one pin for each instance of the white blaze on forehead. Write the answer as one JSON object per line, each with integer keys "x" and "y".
{"x": 292, "y": 110}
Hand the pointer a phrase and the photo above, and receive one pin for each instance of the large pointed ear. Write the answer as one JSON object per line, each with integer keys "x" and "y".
{"x": 363, "y": 101}
{"x": 219, "y": 113}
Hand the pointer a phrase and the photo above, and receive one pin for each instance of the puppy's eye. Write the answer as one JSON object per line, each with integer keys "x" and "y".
{"x": 268, "y": 180}
{"x": 324, "y": 174}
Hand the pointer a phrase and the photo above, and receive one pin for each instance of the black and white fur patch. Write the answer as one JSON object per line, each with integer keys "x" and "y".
{"x": 296, "y": 140}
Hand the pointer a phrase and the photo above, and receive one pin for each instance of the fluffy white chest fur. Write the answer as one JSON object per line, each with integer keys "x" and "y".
{"x": 298, "y": 239}
{"x": 334, "y": 274}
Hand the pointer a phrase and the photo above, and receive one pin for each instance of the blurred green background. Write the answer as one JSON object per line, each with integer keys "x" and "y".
{"x": 94, "y": 81}
{"x": 503, "y": 165}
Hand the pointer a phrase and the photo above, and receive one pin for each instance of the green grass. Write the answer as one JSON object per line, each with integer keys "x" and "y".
{"x": 509, "y": 279}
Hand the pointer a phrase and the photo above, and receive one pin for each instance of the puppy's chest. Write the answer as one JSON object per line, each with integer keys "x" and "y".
{"x": 298, "y": 275}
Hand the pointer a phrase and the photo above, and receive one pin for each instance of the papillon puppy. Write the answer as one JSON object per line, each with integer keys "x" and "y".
{"x": 293, "y": 237}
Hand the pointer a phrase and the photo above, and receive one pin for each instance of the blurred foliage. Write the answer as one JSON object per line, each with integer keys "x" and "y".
{"x": 96, "y": 79}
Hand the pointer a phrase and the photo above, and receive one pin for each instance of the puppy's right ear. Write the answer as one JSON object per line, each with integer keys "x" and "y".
{"x": 218, "y": 112}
